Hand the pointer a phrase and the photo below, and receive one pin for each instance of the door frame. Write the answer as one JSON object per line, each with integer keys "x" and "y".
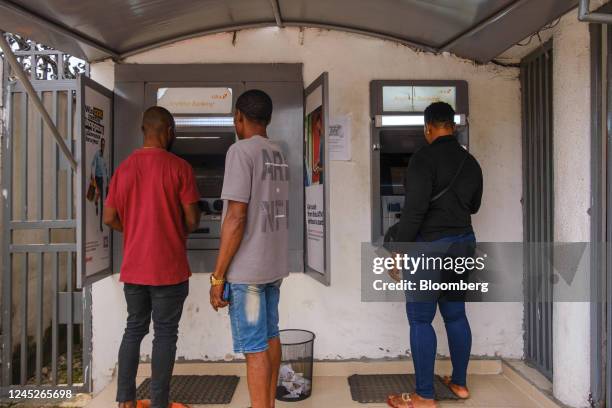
{"x": 601, "y": 216}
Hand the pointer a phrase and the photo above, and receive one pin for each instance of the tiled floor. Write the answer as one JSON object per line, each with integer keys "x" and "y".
{"x": 491, "y": 391}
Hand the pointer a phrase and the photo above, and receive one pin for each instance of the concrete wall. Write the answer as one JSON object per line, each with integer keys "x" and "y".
{"x": 345, "y": 327}
{"x": 571, "y": 90}
{"x": 571, "y": 142}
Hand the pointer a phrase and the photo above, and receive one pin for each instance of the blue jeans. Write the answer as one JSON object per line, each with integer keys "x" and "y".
{"x": 423, "y": 342}
{"x": 253, "y": 314}
{"x": 100, "y": 184}
{"x": 165, "y": 305}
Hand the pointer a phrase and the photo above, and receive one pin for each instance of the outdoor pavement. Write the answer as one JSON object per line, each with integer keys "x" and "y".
{"x": 491, "y": 391}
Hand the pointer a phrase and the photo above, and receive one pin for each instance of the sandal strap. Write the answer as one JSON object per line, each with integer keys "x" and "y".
{"x": 405, "y": 397}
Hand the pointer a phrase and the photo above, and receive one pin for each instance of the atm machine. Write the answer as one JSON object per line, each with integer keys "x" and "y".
{"x": 204, "y": 129}
{"x": 397, "y": 132}
{"x": 205, "y": 149}
{"x": 204, "y": 119}
{"x": 201, "y": 97}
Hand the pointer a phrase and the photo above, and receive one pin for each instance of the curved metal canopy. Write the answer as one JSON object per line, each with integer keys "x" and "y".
{"x": 94, "y": 30}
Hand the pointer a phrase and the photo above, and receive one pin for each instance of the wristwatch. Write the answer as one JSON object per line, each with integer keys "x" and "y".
{"x": 216, "y": 282}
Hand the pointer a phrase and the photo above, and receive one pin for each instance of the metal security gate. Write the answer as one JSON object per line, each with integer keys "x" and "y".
{"x": 45, "y": 326}
{"x": 538, "y": 206}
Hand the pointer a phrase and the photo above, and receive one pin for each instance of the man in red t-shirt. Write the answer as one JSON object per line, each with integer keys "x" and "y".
{"x": 153, "y": 201}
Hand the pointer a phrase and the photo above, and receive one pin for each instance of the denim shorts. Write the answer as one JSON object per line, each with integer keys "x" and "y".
{"x": 253, "y": 314}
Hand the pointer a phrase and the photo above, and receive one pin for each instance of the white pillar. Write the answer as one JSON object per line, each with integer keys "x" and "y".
{"x": 571, "y": 100}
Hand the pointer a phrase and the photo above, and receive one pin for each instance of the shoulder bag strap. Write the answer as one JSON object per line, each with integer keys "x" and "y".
{"x": 448, "y": 187}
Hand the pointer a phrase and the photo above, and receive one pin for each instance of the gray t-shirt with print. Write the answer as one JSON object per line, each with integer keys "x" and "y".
{"x": 257, "y": 173}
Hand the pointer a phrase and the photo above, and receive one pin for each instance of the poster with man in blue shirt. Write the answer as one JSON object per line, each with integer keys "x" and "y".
{"x": 100, "y": 176}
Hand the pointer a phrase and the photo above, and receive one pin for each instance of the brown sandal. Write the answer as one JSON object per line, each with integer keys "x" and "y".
{"x": 406, "y": 400}
{"x": 394, "y": 401}
{"x": 460, "y": 391}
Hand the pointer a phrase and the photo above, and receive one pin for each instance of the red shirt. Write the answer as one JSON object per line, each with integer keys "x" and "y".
{"x": 147, "y": 191}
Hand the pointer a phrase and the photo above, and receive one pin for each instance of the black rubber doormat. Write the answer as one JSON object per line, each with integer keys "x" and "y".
{"x": 376, "y": 388}
{"x": 196, "y": 389}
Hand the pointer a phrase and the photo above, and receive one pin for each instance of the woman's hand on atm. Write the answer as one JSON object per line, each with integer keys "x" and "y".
{"x": 395, "y": 273}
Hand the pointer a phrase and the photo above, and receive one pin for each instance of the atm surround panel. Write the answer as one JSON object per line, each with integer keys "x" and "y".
{"x": 136, "y": 88}
{"x": 202, "y": 139}
{"x": 392, "y": 146}
{"x": 208, "y": 162}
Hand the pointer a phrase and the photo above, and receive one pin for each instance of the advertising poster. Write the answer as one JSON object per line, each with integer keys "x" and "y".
{"x": 96, "y": 155}
{"x": 314, "y": 176}
{"x": 315, "y": 179}
{"x": 314, "y": 147}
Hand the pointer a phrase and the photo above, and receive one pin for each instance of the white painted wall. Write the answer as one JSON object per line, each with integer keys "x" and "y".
{"x": 345, "y": 327}
{"x": 571, "y": 90}
{"x": 572, "y": 117}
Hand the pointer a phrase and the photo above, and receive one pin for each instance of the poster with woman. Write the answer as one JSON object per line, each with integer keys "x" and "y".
{"x": 315, "y": 178}
{"x": 314, "y": 146}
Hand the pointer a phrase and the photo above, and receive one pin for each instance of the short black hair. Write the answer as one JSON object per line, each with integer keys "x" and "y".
{"x": 157, "y": 117}
{"x": 256, "y": 105}
{"x": 440, "y": 114}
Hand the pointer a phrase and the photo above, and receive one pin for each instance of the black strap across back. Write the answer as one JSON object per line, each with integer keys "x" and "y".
{"x": 450, "y": 185}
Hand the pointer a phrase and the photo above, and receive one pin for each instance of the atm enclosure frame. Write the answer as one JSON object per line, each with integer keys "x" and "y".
{"x": 135, "y": 89}
{"x": 384, "y": 139}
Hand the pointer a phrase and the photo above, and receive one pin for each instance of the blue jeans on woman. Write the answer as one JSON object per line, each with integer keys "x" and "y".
{"x": 423, "y": 342}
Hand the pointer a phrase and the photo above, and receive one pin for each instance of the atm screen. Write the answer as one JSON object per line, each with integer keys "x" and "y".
{"x": 392, "y": 170}
{"x": 210, "y": 184}
{"x": 205, "y": 151}
{"x": 208, "y": 171}
{"x": 397, "y": 180}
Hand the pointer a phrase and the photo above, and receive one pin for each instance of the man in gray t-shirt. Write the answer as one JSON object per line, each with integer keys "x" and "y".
{"x": 256, "y": 174}
{"x": 253, "y": 257}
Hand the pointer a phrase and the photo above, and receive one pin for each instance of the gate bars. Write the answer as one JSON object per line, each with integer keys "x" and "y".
{"x": 42, "y": 312}
{"x": 17, "y": 69}
{"x": 538, "y": 205}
